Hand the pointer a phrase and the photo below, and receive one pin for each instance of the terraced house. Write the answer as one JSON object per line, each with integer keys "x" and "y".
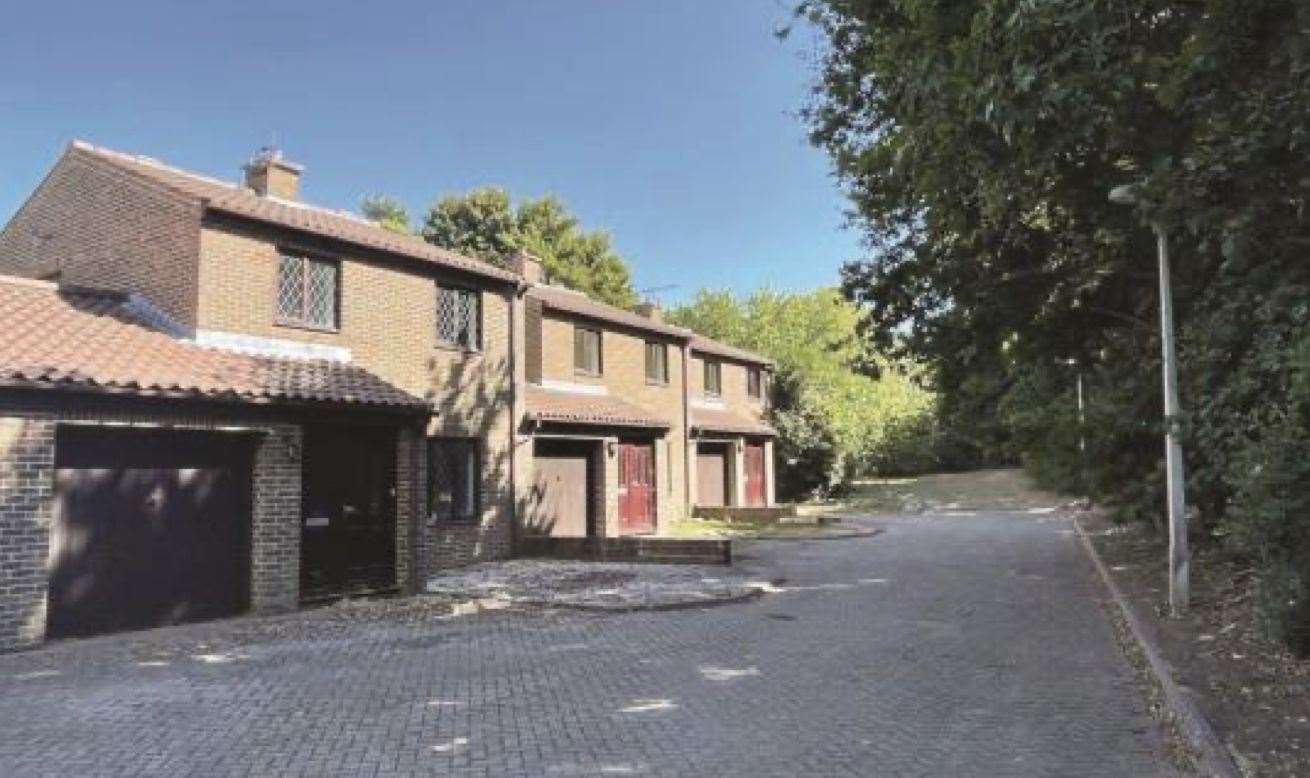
{"x": 216, "y": 397}
{"x": 728, "y": 401}
{"x": 605, "y": 409}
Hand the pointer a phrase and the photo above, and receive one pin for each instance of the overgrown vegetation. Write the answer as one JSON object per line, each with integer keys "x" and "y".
{"x": 978, "y": 140}
{"x": 835, "y": 422}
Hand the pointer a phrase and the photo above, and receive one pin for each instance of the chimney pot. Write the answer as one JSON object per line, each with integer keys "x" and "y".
{"x": 651, "y": 311}
{"x": 526, "y": 265}
{"x": 267, "y": 173}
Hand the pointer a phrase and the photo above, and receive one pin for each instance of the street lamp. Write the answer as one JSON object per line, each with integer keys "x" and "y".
{"x": 1178, "y": 556}
{"x": 1082, "y": 422}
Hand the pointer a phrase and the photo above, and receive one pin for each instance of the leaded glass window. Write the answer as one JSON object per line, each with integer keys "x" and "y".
{"x": 459, "y": 316}
{"x": 454, "y": 474}
{"x": 307, "y": 291}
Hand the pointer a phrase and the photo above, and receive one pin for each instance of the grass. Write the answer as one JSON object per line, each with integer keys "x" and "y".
{"x": 713, "y": 528}
{"x": 997, "y": 490}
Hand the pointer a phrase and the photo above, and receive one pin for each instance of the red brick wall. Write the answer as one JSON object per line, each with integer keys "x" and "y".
{"x": 105, "y": 228}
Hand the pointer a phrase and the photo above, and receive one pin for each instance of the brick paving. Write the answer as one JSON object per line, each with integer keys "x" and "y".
{"x": 961, "y": 646}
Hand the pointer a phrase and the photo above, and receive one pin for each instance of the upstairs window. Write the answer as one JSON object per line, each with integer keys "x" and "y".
{"x": 754, "y": 382}
{"x": 586, "y": 351}
{"x": 454, "y": 473}
{"x": 713, "y": 378}
{"x": 459, "y": 318}
{"x": 657, "y": 363}
{"x": 308, "y": 292}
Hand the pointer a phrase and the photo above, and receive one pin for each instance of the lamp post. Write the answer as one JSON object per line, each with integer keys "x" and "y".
{"x": 1178, "y": 557}
{"x": 1082, "y": 421}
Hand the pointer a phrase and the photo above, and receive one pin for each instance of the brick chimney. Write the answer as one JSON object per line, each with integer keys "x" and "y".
{"x": 526, "y": 265}
{"x": 268, "y": 174}
{"x": 651, "y": 311}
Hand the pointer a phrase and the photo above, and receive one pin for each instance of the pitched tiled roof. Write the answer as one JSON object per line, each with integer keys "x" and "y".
{"x": 578, "y": 303}
{"x": 723, "y": 420}
{"x": 78, "y": 339}
{"x": 575, "y": 408}
{"x": 235, "y": 199}
{"x": 710, "y": 346}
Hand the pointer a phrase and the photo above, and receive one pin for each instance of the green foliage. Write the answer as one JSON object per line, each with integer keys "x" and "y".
{"x": 978, "y": 141}
{"x": 485, "y": 224}
{"x": 834, "y": 421}
{"x": 389, "y": 212}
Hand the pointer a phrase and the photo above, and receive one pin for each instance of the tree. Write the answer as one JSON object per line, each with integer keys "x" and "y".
{"x": 388, "y": 212}
{"x": 978, "y": 140}
{"x": 485, "y": 224}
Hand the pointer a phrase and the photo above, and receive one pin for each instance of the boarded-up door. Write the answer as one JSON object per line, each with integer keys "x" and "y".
{"x": 561, "y": 495}
{"x": 637, "y": 487}
{"x": 753, "y": 463}
{"x": 150, "y": 527}
{"x": 712, "y": 474}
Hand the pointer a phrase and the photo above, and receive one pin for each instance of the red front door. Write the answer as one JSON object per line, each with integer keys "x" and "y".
{"x": 637, "y": 487}
{"x": 754, "y": 466}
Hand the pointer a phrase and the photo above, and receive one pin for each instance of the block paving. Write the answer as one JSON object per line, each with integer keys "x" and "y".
{"x": 944, "y": 646}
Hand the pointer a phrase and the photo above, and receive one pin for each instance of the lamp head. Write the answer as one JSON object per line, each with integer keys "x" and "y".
{"x": 1125, "y": 194}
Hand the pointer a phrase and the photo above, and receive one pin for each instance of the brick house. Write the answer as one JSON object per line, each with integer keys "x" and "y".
{"x": 376, "y": 501}
{"x": 604, "y": 417}
{"x": 175, "y": 349}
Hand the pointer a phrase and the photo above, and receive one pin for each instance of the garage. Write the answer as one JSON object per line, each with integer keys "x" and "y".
{"x": 712, "y": 474}
{"x": 563, "y": 480}
{"x": 150, "y": 527}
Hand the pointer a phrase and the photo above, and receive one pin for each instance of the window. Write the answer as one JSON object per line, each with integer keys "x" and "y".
{"x": 454, "y": 473}
{"x": 586, "y": 351}
{"x": 459, "y": 317}
{"x": 307, "y": 294}
{"x": 713, "y": 378}
{"x": 657, "y": 363}
{"x": 753, "y": 384}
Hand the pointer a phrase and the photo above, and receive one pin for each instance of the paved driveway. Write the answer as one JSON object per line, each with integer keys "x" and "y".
{"x": 944, "y": 647}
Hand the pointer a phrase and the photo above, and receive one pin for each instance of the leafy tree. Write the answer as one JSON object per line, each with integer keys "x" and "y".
{"x": 388, "y": 212}
{"x": 485, "y": 224}
{"x": 978, "y": 140}
{"x": 479, "y": 224}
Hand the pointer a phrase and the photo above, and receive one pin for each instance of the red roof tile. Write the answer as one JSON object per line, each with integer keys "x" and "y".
{"x": 79, "y": 339}
{"x": 600, "y": 410}
{"x": 716, "y": 420}
{"x": 235, "y": 199}
{"x": 710, "y": 346}
{"x": 576, "y": 302}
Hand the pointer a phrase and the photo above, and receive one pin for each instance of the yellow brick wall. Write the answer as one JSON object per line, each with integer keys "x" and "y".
{"x": 623, "y": 357}
{"x": 387, "y": 320}
{"x": 732, "y": 384}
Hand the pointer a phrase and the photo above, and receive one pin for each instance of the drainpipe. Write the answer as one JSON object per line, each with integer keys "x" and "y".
{"x": 515, "y": 410}
{"x": 686, "y": 431}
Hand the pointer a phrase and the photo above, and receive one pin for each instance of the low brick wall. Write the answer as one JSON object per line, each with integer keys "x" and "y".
{"x": 630, "y": 549}
{"x": 742, "y": 513}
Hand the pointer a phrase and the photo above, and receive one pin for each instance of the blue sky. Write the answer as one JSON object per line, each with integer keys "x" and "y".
{"x": 669, "y": 122}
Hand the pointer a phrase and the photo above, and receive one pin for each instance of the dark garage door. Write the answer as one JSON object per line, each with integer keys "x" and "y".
{"x": 561, "y": 488}
{"x": 150, "y": 527}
